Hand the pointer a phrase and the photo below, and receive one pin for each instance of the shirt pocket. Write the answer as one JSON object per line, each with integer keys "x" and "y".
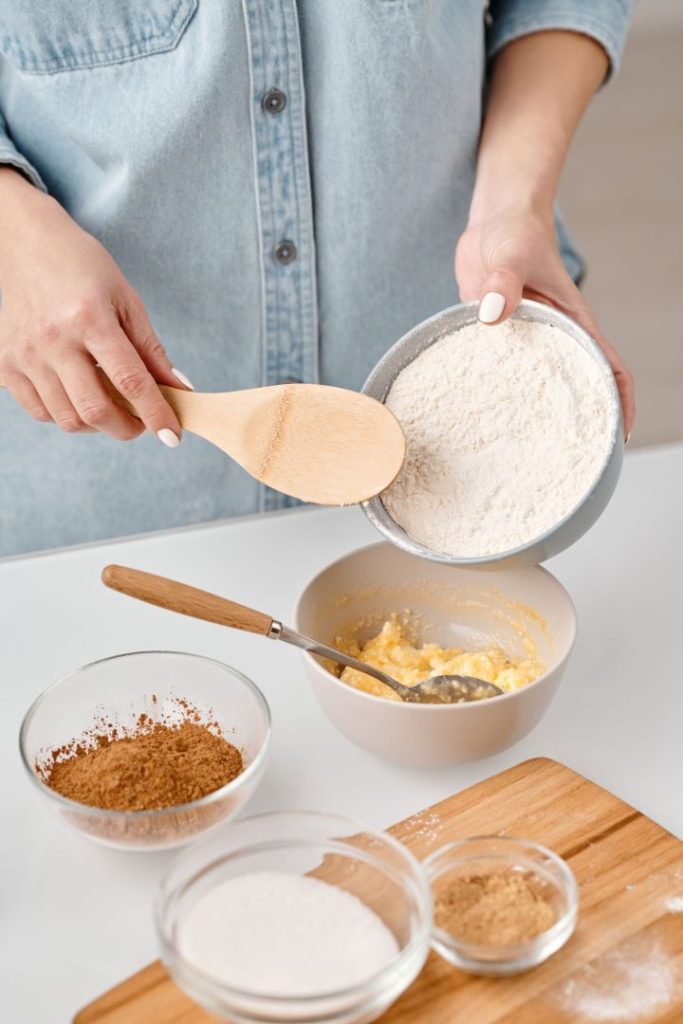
{"x": 43, "y": 37}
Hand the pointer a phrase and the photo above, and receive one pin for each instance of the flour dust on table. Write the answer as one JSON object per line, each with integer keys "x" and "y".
{"x": 626, "y": 984}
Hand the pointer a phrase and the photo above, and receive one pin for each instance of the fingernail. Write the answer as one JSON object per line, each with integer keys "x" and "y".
{"x": 168, "y": 437}
{"x": 628, "y": 438}
{"x": 491, "y": 307}
{"x": 182, "y": 378}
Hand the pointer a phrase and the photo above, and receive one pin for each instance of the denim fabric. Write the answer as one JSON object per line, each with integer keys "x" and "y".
{"x": 145, "y": 120}
{"x": 604, "y": 20}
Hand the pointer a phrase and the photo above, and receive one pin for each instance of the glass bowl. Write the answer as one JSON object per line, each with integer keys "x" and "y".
{"x": 122, "y": 688}
{"x": 371, "y": 865}
{"x": 483, "y": 855}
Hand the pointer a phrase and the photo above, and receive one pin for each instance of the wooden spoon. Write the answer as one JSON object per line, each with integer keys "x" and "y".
{"x": 318, "y": 443}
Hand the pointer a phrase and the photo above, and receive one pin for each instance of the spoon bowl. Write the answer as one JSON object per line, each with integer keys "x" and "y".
{"x": 321, "y": 444}
{"x": 453, "y": 690}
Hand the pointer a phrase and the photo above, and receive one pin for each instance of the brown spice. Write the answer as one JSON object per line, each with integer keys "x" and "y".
{"x": 157, "y": 766}
{"x": 499, "y": 909}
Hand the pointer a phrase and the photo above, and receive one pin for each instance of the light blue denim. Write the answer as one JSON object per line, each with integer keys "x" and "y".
{"x": 145, "y": 120}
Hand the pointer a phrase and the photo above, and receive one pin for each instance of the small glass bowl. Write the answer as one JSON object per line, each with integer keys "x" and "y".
{"x": 122, "y": 688}
{"x": 371, "y": 865}
{"x": 483, "y": 855}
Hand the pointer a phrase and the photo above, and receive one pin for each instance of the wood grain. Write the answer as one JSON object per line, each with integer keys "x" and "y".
{"x": 626, "y": 867}
{"x": 179, "y": 597}
{"x": 322, "y": 444}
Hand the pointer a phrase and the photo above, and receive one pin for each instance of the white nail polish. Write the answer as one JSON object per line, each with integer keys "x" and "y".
{"x": 491, "y": 307}
{"x": 182, "y": 378}
{"x": 168, "y": 437}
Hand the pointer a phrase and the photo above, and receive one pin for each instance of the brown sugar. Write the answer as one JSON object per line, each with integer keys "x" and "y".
{"x": 499, "y": 909}
{"x": 157, "y": 765}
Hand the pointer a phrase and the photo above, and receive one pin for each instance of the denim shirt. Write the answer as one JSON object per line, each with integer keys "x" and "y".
{"x": 283, "y": 183}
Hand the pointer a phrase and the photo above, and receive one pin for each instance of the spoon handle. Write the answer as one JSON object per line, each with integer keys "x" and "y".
{"x": 290, "y": 636}
{"x": 200, "y": 604}
{"x": 178, "y": 597}
{"x": 180, "y": 401}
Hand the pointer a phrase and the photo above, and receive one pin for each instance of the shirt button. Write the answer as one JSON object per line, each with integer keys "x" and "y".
{"x": 285, "y": 252}
{"x": 274, "y": 102}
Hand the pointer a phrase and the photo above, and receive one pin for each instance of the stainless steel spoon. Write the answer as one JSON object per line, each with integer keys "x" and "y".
{"x": 178, "y": 597}
{"x": 436, "y": 690}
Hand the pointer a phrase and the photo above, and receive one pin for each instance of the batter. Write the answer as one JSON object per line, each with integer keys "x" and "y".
{"x": 394, "y": 653}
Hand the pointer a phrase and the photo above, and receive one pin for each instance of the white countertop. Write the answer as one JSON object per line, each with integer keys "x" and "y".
{"x": 75, "y": 917}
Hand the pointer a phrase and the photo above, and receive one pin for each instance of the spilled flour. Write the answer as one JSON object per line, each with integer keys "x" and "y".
{"x": 507, "y": 428}
{"x": 426, "y": 826}
{"x": 625, "y": 984}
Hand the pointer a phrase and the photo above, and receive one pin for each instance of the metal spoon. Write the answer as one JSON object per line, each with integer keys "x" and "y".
{"x": 178, "y": 597}
{"x": 436, "y": 690}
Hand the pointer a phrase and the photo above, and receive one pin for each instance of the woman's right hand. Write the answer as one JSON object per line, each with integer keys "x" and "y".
{"x": 66, "y": 307}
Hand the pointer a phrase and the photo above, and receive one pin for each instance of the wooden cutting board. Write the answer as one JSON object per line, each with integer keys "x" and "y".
{"x": 627, "y": 869}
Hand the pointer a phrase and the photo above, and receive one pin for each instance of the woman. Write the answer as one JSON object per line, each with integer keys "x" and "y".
{"x": 257, "y": 192}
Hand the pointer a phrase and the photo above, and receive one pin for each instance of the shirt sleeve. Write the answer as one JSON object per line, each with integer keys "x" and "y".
{"x": 606, "y": 21}
{"x": 9, "y": 154}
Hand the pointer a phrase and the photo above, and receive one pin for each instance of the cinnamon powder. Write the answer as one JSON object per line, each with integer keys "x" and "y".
{"x": 499, "y": 909}
{"x": 157, "y": 765}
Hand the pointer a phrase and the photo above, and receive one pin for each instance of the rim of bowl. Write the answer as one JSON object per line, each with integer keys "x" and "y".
{"x": 420, "y": 550}
{"x": 439, "y": 707}
{"x": 418, "y": 879}
{"x": 160, "y": 812}
{"x": 568, "y": 886}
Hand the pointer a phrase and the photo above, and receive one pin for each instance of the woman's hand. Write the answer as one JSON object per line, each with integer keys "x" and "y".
{"x": 540, "y": 84}
{"x": 512, "y": 253}
{"x": 66, "y": 307}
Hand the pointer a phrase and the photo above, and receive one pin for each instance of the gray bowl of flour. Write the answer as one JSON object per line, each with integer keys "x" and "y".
{"x": 514, "y": 437}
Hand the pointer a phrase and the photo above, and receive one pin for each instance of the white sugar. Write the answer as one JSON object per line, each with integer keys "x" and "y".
{"x": 284, "y": 934}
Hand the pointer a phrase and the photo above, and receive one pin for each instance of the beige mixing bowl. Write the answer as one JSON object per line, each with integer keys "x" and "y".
{"x": 451, "y": 606}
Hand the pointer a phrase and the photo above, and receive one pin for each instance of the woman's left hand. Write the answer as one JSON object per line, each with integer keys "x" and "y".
{"x": 513, "y": 253}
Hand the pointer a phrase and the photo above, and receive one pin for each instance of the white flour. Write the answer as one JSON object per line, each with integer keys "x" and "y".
{"x": 626, "y": 984}
{"x": 278, "y": 933}
{"x": 507, "y": 428}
